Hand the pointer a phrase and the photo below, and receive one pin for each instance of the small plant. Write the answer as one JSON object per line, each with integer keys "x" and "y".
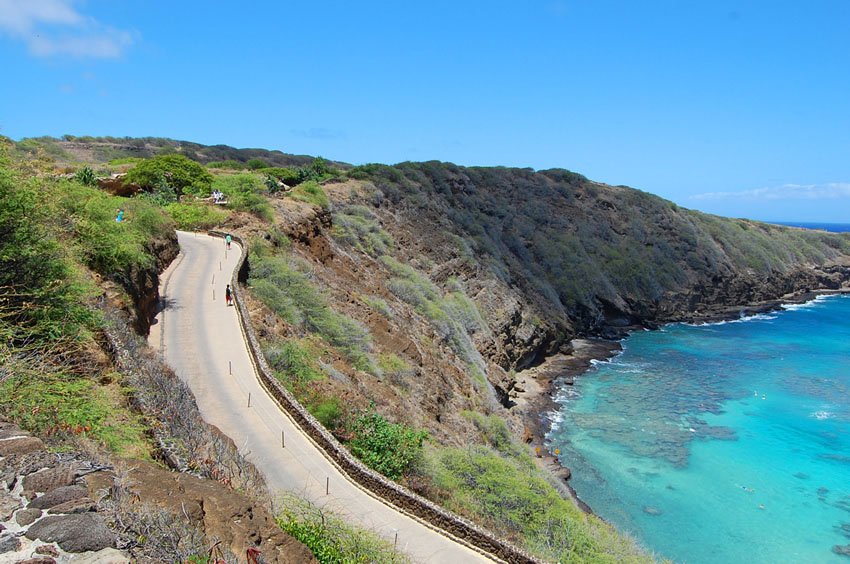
{"x": 389, "y": 448}
{"x": 86, "y": 176}
{"x": 329, "y": 538}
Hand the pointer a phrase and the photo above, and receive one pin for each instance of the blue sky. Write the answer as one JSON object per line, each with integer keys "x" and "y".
{"x": 737, "y": 108}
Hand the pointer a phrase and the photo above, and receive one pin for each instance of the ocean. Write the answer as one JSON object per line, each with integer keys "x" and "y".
{"x": 724, "y": 442}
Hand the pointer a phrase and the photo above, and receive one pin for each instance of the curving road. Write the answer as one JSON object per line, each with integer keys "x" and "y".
{"x": 201, "y": 339}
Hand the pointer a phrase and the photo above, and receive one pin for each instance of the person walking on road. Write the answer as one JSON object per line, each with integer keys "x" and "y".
{"x": 228, "y": 239}
{"x": 228, "y": 295}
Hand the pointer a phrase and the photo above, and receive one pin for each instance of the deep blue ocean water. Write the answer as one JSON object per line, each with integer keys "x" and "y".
{"x": 837, "y": 227}
{"x": 721, "y": 443}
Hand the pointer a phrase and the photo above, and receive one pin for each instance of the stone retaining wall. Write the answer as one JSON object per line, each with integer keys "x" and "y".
{"x": 446, "y": 522}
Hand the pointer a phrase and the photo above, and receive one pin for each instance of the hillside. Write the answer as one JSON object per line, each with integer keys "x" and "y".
{"x": 71, "y": 149}
{"x": 410, "y": 308}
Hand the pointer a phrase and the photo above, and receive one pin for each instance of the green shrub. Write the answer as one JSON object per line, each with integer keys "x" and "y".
{"x": 243, "y": 192}
{"x": 125, "y": 161}
{"x": 389, "y": 448}
{"x": 256, "y": 164}
{"x": 195, "y": 216}
{"x": 176, "y": 171}
{"x": 290, "y": 293}
{"x": 288, "y": 176}
{"x": 358, "y": 227}
{"x": 513, "y": 498}
{"x": 231, "y": 164}
{"x": 392, "y": 364}
{"x": 54, "y": 403}
{"x": 109, "y": 247}
{"x": 331, "y": 539}
{"x": 41, "y": 294}
{"x": 85, "y": 176}
{"x": 310, "y": 192}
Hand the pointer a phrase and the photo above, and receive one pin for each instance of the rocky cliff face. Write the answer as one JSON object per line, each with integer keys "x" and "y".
{"x": 143, "y": 284}
{"x": 542, "y": 256}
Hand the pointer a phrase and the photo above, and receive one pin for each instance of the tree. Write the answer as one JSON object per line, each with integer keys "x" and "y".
{"x": 175, "y": 171}
{"x": 257, "y": 164}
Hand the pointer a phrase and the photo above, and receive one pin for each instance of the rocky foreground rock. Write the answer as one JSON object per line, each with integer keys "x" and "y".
{"x": 66, "y": 508}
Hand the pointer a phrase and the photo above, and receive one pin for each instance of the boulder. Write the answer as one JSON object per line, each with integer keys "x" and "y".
{"x": 9, "y": 543}
{"x": 38, "y": 560}
{"x": 22, "y": 464}
{"x": 59, "y": 495}
{"x": 26, "y": 517}
{"x": 50, "y": 479}
{"x": 73, "y": 533}
{"x": 21, "y": 445}
{"x": 82, "y": 505}
{"x": 47, "y": 550}
{"x": 8, "y": 505}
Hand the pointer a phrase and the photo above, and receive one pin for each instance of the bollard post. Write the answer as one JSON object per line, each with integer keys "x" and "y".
{"x": 327, "y": 485}
{"x": 219, "y": 265}
{"x": 282, "y": 440}
{"x": 213, "y": 280}
{"x": 230, "y": 367}
{"x": 395, "y": 542}
{"x": 213, "y": 293}
{"x": 249, "y": 399}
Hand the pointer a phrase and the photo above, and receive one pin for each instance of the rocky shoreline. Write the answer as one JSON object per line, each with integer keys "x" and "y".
{"x": 534, "y": 394}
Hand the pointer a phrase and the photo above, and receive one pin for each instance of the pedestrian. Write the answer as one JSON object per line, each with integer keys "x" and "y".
{"x": 228, "y": 295}
{"x": 228, "y": 239}
{"x": 119, "y": 216}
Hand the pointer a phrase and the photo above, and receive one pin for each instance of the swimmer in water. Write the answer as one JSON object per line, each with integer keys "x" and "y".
{"x": 756, "y": 394}
{"x": 761, "y": 506}
{"x": 764, "y": 396}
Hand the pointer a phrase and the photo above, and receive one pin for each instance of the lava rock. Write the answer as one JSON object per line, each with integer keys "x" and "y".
{"x": 8, "y": 505}
{"x": 47, "y": 550}
{"x": 9, "y": 543}
{"x": 26, "y": 517}
{"x": 59, "y": 495}
{"x": 82, "y": 505}
{"x": 50, "y": 479}
{"x": 73, "y": 533}
{"x": 22, "y": 445}
{"x": 37, "y": 560}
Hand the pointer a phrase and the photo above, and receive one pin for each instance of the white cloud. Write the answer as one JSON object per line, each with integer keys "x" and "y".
{"x": 827, "y": 191}
{"x": 55, "y": 27}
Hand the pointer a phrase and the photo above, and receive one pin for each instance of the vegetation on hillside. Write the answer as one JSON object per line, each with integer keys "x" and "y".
{"x": 586, "y": 248}
{"x": 52, "y": 380}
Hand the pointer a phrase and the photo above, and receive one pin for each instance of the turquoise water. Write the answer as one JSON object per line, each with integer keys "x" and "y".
{"x": 721, "y": 443}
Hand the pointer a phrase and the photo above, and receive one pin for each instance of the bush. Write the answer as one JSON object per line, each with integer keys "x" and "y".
{"x": 288, "y": 176}
{"x": 111, "y": 248}
{"x": 388, "y": 448}
{"x": 51, "y": 403}
{"x": 85, "y": 176}
{"x": 329, "y": 538}
{"x": 256, "y": 164}
{"x": 176, "y": 171}
{"x": 231, "y": 164}
{"x": 244, "y": 193}
{"x": 290, "y": 293}
{"x": 514, "y": 499}
{"x": 310, "y": 192}
{"x": 195, "y": 216}
{"x": 358, "y": 227}
{"x": 41, "y": 295}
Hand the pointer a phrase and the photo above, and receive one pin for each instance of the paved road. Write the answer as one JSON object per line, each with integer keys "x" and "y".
{"x": 201, "y": 340}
